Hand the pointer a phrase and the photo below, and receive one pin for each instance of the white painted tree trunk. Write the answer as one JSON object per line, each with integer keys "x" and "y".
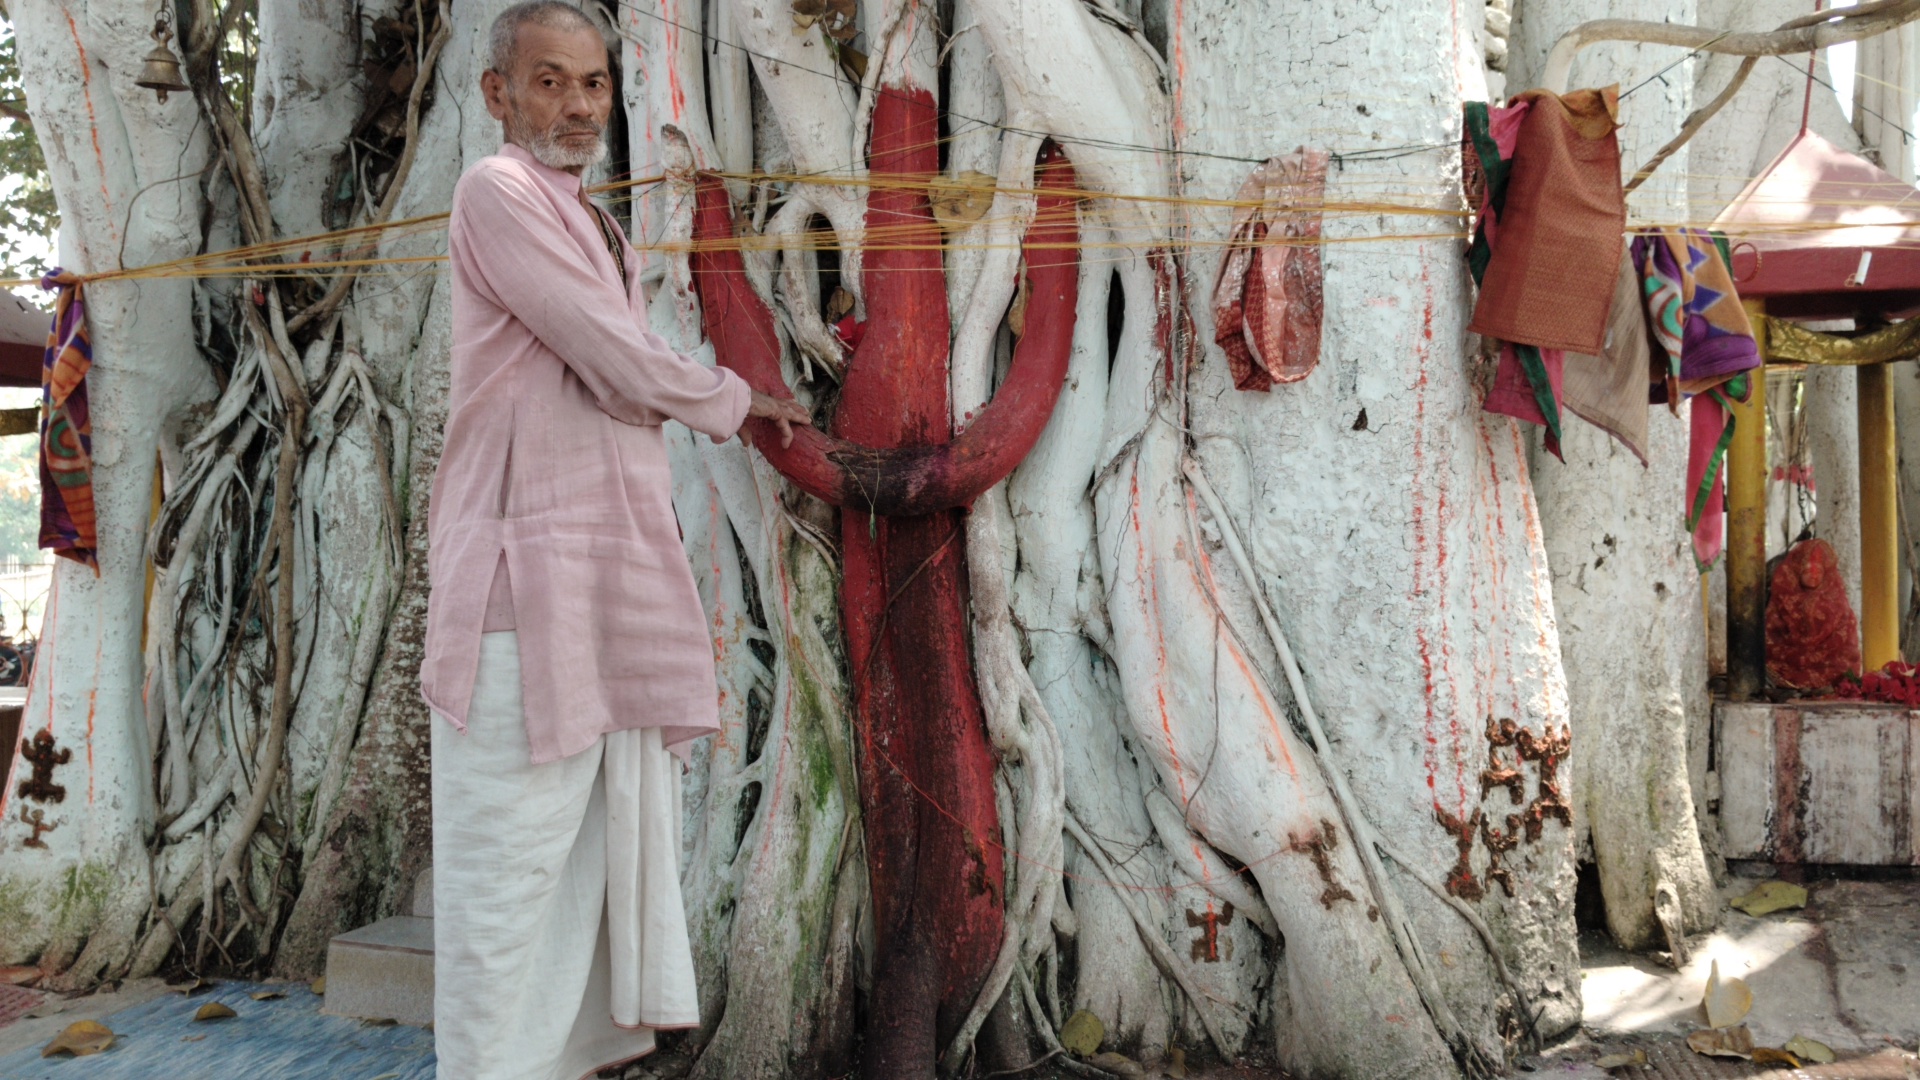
{"x": 1626, "y": 592}
{"x": 134, "y": 167}
{"x": 1130, "y": 580}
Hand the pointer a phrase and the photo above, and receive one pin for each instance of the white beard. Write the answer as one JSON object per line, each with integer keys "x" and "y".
{"x": 548, "y": 150}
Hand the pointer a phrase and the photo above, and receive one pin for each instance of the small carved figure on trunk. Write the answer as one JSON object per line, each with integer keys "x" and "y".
{"x": 40, "y": 753}
{"x": 38, "y": 821}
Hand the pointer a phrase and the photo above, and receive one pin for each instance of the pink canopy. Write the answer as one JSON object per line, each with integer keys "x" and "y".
{"x": 1825, "y": 233}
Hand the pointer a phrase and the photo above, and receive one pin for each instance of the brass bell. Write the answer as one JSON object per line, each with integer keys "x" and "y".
{"x": 161, "y": 70}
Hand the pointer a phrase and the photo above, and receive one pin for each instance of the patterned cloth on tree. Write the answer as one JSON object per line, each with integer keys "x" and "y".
{"x": 1609, "y": 391}
{"x": 1267, "y": 305}
{"x": 1549, "y": 282}
{"x": 66, "y": 431}
{"x": 1526, "y": 384}
{"x": 1704, "y": 349}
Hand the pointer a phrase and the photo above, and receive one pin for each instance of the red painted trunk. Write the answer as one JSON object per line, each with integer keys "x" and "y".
{"x": 924, "y": 755}
{"x": 926, "y": 769}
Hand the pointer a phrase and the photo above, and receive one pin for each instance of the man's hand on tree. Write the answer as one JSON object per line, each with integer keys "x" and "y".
{"x": 784, "y": 412}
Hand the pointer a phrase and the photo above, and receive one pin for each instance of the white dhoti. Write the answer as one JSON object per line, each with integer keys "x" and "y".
{"x": 560, "y": 938}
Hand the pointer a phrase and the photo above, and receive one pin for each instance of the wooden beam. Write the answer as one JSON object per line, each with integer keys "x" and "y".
{"x": 1747, "y": 532}
{"x": 1879, "y": 520}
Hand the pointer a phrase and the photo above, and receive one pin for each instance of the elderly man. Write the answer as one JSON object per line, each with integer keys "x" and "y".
{"x": 566, "y": 654}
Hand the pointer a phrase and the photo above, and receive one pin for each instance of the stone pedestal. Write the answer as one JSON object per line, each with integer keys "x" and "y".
{"x": 385, "y": 971}
{"x": 1819, "y": 782}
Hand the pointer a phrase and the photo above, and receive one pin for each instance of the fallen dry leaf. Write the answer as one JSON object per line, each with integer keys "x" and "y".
{"x": 319, "y": 986}
{"x": 839, "y": 18}
{"x": 193, "y": 1038}
{"x": 854, "y": 63}
{"x": 1767, "y": 1055}
{"x": 213, "y": 1010}
{"x": 1771, "y": 896}
{"x": 268, "y": 995}
{"x": 1806, "y": 1049}
{"x": 959, "y": 201}
{"x": 1176, "y": 1066}
{"x": 839, "y": 305}
{"x": 1726, "y": 1000}
{"x": 192, "y": 986}
{"x": 1082, "y": 1034}
{"x": 1622, "y": 1060}
{"x": 1722, "y": 1042}
{"x": 82, "y": 1037}
{"x": 19, "y": 976}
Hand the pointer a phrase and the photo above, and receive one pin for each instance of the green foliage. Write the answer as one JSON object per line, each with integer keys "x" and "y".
{"x": 28, "y": 214}
{"x": 20, "y": 498}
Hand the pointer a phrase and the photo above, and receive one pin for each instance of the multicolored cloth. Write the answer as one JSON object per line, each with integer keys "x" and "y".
{"x": 1693, "y": 311}
{"x": 1703, "y": 349}
{"x": 67, "y": 524}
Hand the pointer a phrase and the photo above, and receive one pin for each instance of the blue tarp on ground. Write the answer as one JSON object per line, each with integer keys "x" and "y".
{"x": 286, "y": 1039}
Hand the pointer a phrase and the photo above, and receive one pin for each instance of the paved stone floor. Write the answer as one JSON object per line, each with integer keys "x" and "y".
{"x": 1845, "y": 971}
{"x": 158, "y": 1039}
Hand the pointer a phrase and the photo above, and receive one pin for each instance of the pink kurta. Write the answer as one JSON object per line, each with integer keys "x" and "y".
{"x": 555, "y": 459}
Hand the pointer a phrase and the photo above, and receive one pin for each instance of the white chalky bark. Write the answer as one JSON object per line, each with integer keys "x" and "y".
{"x": 133, "y": 165}
{"x": 1404, "y": 555}
{"x": 1626, "y": 592}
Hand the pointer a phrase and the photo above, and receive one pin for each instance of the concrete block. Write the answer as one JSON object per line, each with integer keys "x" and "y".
{"x": 1819, "y": 782}
{"x": 383, "y": 972}
{"x": 423, "y": 894}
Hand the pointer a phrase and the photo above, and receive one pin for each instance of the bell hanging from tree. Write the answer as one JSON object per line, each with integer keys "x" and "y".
{"x": 161, "y": 70}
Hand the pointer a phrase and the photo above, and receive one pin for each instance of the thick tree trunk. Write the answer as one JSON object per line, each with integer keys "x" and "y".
{"x": 1626, "y": 592}
{"x": 1059, "y": 759}
{"x": 134, "y": 165}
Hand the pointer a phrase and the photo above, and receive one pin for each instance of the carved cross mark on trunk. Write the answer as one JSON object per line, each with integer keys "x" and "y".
{"x": 1499, "y": 842}
{"x": 40, "y": 753}
{"x": 1460, "y": 880}
{"x": 1318, "y": 846}
{"x": 1498, "y": 773}
{"x": 1207, "y": 948}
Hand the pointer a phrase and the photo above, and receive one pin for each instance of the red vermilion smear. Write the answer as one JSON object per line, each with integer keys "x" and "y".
{"x": 1431, "y": 749}
{"x": 93, "y": 119}
{"x": 1151, "y": 603}
{"x": 1541, "y": 619}
{"x": 678, "y": 95}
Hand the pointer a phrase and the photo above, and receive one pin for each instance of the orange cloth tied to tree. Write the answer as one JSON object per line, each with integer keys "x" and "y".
{"x": 1550, "y": 281}
{"x": 1812, "y": 637}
